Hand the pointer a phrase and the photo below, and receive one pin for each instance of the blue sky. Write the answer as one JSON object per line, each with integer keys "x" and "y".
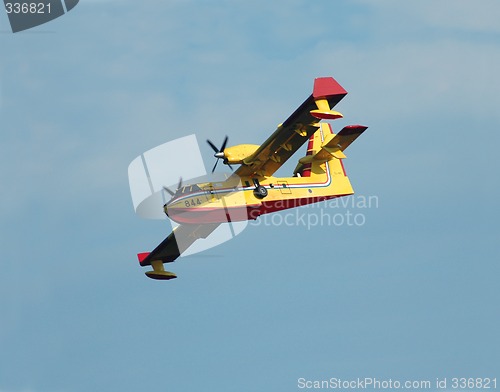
{"x": 411, "y": 294}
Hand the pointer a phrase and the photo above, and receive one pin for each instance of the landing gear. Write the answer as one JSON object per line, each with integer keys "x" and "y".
{"x": 259, "y": 192}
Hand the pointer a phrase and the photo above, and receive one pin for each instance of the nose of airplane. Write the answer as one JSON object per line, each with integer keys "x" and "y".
{"x": 165, "y": 208}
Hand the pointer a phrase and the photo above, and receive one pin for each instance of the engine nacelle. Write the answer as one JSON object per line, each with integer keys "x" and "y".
{"x": 236, "y": 154}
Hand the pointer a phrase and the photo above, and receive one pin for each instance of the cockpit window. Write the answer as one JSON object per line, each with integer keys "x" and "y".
{"x": 189, "y": 189}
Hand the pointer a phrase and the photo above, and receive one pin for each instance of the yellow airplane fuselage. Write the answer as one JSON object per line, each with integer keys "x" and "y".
{"x": 236, "y": 199}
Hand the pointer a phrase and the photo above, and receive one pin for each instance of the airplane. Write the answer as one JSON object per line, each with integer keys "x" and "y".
{"x": 252, "y": 190}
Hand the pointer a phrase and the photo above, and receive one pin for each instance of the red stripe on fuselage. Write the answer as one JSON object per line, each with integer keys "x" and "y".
{"x": 240, "y": 213}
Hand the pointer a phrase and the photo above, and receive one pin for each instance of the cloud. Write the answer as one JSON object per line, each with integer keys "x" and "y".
{"x": 431, "y": 17}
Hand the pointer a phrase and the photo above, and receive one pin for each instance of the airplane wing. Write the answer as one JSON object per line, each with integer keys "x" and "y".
{"x": 181, "y": 238}
{"x": 295, "y": 130}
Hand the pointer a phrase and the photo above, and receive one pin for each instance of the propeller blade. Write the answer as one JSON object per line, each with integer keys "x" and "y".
{"x": 219, "y": 153}
{"x": 168, "y": 190}
{"x": 213, "y": 146}
{"x": 216, "y": 162}
{"x": 223, "y": 144}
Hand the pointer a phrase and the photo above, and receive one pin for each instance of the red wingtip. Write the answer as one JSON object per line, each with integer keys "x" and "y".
{"x": 326, "y": 87}
{"x": 142, "y": 256}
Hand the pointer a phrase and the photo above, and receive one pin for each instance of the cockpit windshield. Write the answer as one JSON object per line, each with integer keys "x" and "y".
{"x": 187, "y": 189}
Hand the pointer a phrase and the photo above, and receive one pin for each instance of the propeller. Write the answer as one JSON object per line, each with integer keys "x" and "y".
{"x": 219, "y": 153}
{"x": 172, "y": 193}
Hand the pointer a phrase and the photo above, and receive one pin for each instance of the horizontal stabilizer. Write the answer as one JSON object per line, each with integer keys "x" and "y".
{"x": 333, "y": 146}
{"x": 346, "y": 136}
